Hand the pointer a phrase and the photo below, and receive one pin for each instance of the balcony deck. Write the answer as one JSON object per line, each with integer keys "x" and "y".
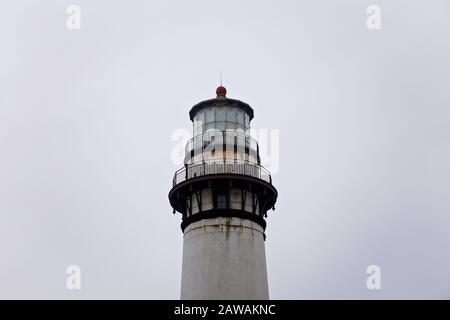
{"x": 191, "y": 171}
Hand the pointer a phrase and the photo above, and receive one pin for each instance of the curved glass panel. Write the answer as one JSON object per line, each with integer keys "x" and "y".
{"x": 240, "y": 118}
{"x": 220, "y": 114}
{"x": 209, "y": 115}
{"x": 231, "y": 114}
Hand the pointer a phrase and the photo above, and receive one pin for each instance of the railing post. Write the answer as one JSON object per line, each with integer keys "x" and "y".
{"x": 203, "y": 154}
{"x": 257, "y": 154}
{"x": 224, "y": 150}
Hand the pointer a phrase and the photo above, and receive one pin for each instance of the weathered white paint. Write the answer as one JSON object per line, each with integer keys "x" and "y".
{"x": 224, "y": 258}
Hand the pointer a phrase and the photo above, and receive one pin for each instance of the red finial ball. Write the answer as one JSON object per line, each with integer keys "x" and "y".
{"x": 221, "y": 92}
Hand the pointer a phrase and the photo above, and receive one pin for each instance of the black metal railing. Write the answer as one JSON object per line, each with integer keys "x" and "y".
{"x": 190, "y": 171}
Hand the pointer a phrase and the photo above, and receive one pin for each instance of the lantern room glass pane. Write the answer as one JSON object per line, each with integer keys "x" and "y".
{"x": 200, "y": 122}
{"x": 220, "y": 126}
{"x": 201, "y": 117}
{"x": 197, "y": 128}
{"x": 195, "y": 125}
{"x": 211, "y": 126}
{"x": 247, "y": 121}
{"x": 231, "y": 114}
{"x": 230, "y": 125}
{"x": 240, "y": 117}
{"x": 220, "y": 114}
{"x": 209, "y": 115}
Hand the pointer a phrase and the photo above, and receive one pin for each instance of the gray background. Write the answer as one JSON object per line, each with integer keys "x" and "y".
{"x": 86, "y": 119}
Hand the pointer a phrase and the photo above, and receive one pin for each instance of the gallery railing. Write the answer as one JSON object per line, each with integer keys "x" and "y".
{"x": 210, "y": 168}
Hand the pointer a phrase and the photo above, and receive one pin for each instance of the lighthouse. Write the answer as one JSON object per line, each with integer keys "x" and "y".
{"x": 223, "y": 194}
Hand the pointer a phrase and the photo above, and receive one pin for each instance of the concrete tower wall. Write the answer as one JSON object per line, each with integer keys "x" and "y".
{"x": 224, "y": 258}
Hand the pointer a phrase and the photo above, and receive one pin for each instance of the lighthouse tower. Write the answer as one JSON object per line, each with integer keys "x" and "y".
{"x": 223, "y": 194}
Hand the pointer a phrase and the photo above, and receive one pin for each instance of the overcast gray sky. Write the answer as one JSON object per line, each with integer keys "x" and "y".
{"x": 86, "y": 118}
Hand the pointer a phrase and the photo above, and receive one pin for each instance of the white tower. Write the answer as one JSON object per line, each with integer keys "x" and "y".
{"x": 223, "y": 194}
